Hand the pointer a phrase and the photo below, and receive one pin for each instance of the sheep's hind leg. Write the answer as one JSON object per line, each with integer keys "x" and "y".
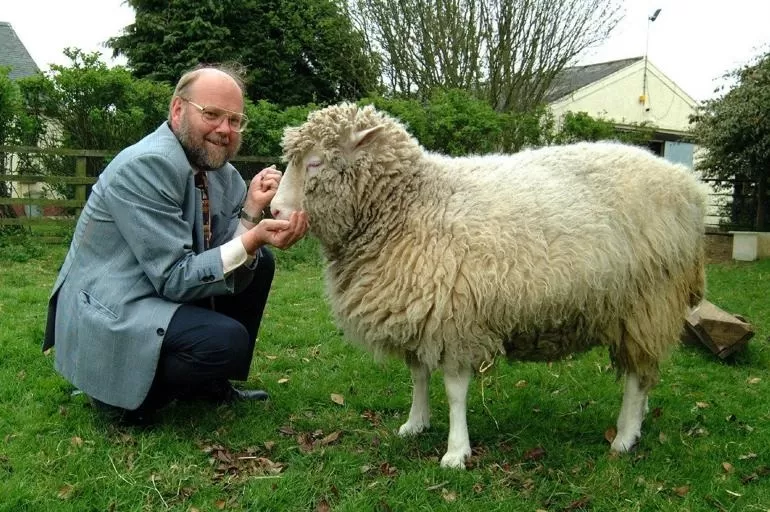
{"x": 419, "y": 414}
{"x": 458, "y": 445}
{"x": 631, "y": 414}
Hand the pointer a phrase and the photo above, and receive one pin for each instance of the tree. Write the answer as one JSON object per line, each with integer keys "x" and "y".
{"x": 10, "y": 108}
{"x": 506, "y": 51}
{"x": 735, "y": 131}
{"x": 92, "y": 106}
{"x": 295, "y": 51}
{"x": 87, "y": 105}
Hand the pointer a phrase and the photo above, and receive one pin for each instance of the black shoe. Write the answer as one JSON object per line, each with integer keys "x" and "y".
{"x": 248, "y": 394}
{"x": 141, "y": 417}
{"x": 225, "y": 392}
{"x": 221, "y": 391}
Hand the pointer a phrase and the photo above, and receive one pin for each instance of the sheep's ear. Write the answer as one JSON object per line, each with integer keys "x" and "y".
{"x": 364, "y": 137}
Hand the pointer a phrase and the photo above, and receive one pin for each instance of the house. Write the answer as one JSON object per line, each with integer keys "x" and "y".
{"x": 630, "y": 92}
{"x": 14, "y": 55}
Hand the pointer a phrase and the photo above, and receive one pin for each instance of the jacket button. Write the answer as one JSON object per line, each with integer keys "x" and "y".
{"x": 160, "y": 331}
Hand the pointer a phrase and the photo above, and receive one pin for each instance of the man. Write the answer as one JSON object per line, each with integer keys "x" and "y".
{"x": 162, "y": 290}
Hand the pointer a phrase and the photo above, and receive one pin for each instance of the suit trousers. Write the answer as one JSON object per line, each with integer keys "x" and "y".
{"x": 204, "y": 347}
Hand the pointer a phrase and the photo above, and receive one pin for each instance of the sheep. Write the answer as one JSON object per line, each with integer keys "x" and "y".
{"x": 448, "y": 262}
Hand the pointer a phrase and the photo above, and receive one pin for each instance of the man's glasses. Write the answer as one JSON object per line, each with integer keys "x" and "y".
{"x": 214, "y": 116}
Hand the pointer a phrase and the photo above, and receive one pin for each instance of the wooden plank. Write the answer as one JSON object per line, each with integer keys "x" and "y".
{"x": 56, "y": 180}
{"x": 250, "y": 158}
{"x": 109, "y": 153}
{"x": 67, "y": 203}
{"x": 58, "y": 151}
{"x": 37, "y": 221}
{"x": 80, "y": 190}
{"x": 52, "y": 239}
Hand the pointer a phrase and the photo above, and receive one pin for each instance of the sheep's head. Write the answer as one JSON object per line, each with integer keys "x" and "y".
{"x": 333, "y": 161}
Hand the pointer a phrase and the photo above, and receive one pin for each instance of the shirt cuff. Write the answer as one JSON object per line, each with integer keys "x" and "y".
{"x": 234, "y": 255}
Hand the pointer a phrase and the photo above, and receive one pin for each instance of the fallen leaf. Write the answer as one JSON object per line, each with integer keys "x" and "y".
{"x": 581, "y": 503}
{"x": 372, "y": 417}
{"x": 449, "y": 496}
{"x": 388, "y": 470}
{"x": 323, "y": 506}
{"x": 331, "y": 438}
{"x": 220, "y": 504}
{"x": 610, "y": 434}
{"x": 750, "y": 455}
{"x": 305, "y": 443}
{"x": 727, "y": 467}
{"x": 534, "y": 454}
{"x": 272, "y": 357}
{"x": 662, "y": 439}
{"x": 284, "y": 380}
{"x": 76, "y": 441}
{"x": 681, "y": 491}
{"x": 338, "y": 399}
{"x": 731, "y": 493}
{"x": 754, "y": 380}
{"x": 65, "y": 492}
{"x": 753, "y": 477}
{"x": 702, "y": 405}
{"x": 521, "y": 384}
{"x": 269, "y": 445}
{"x": 287, "y": 430}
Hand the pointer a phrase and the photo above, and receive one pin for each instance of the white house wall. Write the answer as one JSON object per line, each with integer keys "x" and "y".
{"x": 617, "y": 98}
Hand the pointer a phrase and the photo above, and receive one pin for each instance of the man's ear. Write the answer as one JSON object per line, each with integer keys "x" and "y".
{"x": 176, "y": 110}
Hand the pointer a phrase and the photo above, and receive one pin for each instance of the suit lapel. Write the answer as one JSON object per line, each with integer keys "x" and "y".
{"x": 194, "y": 198}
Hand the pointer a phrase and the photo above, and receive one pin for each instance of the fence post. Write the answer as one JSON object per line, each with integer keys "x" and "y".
{"x": 80, "y": 189}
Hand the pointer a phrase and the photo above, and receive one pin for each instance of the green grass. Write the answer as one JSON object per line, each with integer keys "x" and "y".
{"x": 704, "y": 446}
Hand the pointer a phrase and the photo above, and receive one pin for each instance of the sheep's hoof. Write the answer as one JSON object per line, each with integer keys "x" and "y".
{"x": 412, "y": 429}
{"x": 454, "y": 460}
{"x": 624, "y": 444}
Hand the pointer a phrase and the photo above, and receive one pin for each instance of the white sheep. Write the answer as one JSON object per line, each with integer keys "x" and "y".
{"x": 449, "y": 262}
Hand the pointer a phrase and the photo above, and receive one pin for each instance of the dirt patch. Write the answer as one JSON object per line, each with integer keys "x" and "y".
{"x": 719, "y": 247}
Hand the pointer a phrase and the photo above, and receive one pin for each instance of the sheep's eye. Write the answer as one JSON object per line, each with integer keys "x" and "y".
{"x": 313, "y": 166}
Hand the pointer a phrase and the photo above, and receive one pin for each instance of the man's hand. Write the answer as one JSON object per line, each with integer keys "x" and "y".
{"x": 262, "y": 188}
{"x": 278, "y": 233}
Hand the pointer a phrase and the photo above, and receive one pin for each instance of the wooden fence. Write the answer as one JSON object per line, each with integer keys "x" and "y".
{"x": 80, "y": 179}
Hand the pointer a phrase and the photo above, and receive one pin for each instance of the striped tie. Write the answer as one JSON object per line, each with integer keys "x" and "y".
{"x": 201, "y": 181}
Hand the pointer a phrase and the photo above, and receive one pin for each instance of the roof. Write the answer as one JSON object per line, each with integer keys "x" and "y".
{"x": 13, "y": 54}
{"x": 571, "y": 79}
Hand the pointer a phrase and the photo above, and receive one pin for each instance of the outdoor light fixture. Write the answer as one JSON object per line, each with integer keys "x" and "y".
{"x": 644, "y": 96}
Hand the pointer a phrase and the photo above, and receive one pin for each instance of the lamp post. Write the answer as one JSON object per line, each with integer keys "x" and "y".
{"x": 643, "y": 98}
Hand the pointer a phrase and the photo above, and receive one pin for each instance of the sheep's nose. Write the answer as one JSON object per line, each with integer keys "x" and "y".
{"x": 275, "y": 212}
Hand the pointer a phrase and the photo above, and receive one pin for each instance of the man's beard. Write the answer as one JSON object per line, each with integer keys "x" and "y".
{"x": 197, "y": 153}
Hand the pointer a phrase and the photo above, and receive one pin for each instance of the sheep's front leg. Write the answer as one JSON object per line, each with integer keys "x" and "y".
{"x": 631, "y": 415}
{"x": 458, "y": 445}
{"x": 419, "y": 414}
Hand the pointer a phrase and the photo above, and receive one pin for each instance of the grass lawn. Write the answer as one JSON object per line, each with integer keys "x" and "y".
{"x": 326, "y": 441}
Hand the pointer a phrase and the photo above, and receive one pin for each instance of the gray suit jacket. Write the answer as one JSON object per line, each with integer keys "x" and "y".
{"x": 136, "y": 256}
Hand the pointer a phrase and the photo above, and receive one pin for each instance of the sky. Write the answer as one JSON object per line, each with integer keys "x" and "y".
{"x": 692, "y": 42}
